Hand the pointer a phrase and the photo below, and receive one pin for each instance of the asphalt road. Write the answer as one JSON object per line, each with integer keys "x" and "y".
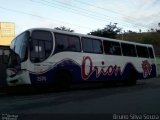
{"x": 142, "y": 98}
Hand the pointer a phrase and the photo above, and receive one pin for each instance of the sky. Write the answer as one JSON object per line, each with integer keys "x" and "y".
{"x": 82, "y": 16}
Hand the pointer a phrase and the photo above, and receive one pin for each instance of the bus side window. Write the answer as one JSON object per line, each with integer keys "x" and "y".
{"x": 112, "y": 48}
{"x": 150, "y": 52}
{"x": 67, "y": 43}
{"x": 34, "y": 51}
{"x": 41, "y": 45}
{"x": 97, "y": 45}
{"x": 87, "y": 45}
{"x": 128, "y": 50}
{"x": 142, "y": 51}
{"x": 91, "y": 45}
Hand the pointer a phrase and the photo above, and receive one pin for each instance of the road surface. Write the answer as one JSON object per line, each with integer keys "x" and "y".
{"x": 143, "y": 98}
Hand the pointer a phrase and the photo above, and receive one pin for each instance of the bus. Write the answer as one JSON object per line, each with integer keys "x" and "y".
{"x": 43, "y": 56}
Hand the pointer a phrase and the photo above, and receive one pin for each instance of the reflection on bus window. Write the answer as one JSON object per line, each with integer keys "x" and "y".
{"x": 91, "y": 45}
{"x": 142, "y": 51}
{"x": 67, "y": 43}
{"x": 112, "y": 48}
{"x": 150, "y": 52}
{"x": 128, "y": 50}
{"x": 41, "y": 46}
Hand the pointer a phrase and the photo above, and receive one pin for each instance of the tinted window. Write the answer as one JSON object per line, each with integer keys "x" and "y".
{"x": 128, "y": 50}
{"x": 112, "y": 48}
{"x": 40, "y": 46}
{"x": 97, "y": 46}
{"x": 142, "y": 51}
{"x": 87, "y": 45}
{"x": 67, "y": 43}
{"x": 92, "y": 45}
{"x": 150, "y": 52}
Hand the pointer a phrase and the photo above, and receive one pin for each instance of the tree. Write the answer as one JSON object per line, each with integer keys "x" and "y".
{"x": 109, "y": 31}
{"x": 63, "y": 28}
{"x": 152, "y": 30}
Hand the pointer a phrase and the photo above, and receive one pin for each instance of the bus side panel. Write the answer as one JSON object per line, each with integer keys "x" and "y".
{"x": 94, "y": 67}
{"x": 79, "y": 74}
{"x": 147, "y": 73}
{"x": 49, "y": 77}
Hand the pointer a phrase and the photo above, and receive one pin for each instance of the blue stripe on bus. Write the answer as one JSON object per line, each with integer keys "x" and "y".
{"x": 75, "y": 70}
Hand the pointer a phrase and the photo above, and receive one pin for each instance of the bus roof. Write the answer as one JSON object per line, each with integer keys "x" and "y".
{"x": 89, "y": 36}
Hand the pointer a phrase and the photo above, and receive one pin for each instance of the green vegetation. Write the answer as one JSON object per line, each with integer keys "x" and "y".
{"x": 112, "y": 31}
{"x": 146, "y": 37}
{"x": 109, "y": 31}
{"x": 63, "y": 28}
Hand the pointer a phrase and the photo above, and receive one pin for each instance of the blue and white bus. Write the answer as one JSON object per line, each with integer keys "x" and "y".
{"x": 42, "y": 56}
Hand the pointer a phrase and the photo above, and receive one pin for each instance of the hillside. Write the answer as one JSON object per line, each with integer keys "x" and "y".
{"x": 146, "y": 37}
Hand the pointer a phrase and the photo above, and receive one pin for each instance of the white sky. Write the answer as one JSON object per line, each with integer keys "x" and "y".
{"x": 83, "y": 16}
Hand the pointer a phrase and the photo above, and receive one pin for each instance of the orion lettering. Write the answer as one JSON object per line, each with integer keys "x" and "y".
{"x": 88, "y": 68}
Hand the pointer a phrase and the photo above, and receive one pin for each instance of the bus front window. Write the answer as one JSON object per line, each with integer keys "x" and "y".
{"x": 41, "y": 45}
{"x": 20, "y": 46}
{"x": 18, "y": 50}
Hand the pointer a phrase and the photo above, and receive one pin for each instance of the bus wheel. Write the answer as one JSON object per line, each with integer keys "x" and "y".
{"x": 63, "y": 80}
{"x": 132, "y": 79}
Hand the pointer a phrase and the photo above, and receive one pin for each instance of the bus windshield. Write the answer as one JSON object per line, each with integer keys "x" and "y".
{"x": 19, "y": 45}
